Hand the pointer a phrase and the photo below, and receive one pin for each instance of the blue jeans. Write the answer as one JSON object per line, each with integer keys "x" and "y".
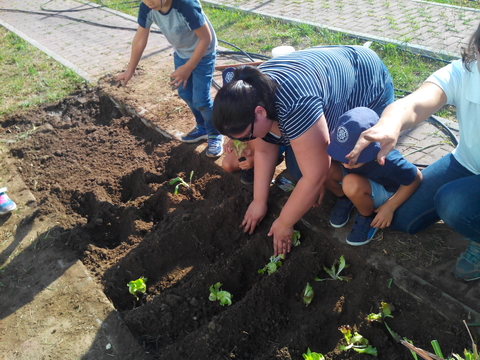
{"x": 449, "y": 192}
{"x": 197, "y": 92}
{"x": 386, "y": 99}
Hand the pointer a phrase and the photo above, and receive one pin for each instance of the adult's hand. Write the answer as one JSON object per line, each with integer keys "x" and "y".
{"x": 282, "y": 237}
{"x": 382, "y": 132}
{"x": 255, "y": 213}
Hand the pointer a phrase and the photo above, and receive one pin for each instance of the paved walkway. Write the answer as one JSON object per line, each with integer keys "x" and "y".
{"x": 92, "y": 40}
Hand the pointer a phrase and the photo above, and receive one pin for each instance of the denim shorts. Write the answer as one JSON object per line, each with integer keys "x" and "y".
{"x": 379, "y": 194}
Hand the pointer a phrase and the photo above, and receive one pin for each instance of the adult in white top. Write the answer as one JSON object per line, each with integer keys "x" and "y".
{"x": 450, "y": 190}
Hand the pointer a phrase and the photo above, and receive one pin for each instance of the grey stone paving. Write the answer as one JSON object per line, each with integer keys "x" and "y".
{"x": 425, "y": 27}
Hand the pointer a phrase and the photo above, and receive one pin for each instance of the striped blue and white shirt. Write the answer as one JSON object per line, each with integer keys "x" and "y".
{"x": 328, "y": 80}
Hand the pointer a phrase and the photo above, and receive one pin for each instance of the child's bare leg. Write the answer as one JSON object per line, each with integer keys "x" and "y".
{"x": 335, "y": 177}
{"x": 230, "y": 162}
{"x": 359, "y": 191}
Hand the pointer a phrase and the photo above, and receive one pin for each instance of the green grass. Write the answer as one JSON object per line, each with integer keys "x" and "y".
{"x": 28, "y": 77}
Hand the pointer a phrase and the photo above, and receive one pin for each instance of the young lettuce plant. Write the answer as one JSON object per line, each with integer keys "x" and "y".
{"x": 238, "y": 147}
{"x": 335, "y": 273}
{"x": 181, "y": 182}
{"x": 223, "y": 296}
{"x": 356, "y": 341}
{"x": 273, "y": 265}
{"x": 296, "y": 238}
{"x": 309, "y": 355}
{"x": 385, "y": 311}
{"x": 307, "y": 295}
{"x": 137, "y": 286}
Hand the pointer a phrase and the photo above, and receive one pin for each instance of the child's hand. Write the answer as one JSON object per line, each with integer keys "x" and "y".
{"x": 246, "y": 164}
{"x": 384, "y": 217}
{"x": 227, "y": 147}
{"x": 180, "y": 77}
{"x": 125, "y": 76}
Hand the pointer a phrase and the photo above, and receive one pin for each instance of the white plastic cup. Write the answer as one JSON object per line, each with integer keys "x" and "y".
{"x": 282, "y": 50}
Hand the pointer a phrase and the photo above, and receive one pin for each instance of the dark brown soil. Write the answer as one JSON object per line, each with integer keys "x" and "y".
{"x": 104, "y": 177}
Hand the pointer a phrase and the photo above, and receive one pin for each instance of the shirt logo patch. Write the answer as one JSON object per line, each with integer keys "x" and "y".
{"x": 342, "y": 134}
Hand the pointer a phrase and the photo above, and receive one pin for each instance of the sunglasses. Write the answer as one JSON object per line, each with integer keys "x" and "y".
{"x": 245, "y": 138}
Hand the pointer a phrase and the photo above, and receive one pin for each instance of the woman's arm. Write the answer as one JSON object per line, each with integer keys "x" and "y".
{"x": 182, "y": 73}
{"x": 400, "y": 115}
{"x": 311, "y": 153}
{"x": 265, "y": 157}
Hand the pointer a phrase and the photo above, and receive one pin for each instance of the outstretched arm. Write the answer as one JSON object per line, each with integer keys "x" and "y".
{"x": 311, "y": 153}
{"x": 400, "y": 115}
{"x": 138, "y": 46}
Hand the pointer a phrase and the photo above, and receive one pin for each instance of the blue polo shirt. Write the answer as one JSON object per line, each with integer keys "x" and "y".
{"x": 178, "y": 25}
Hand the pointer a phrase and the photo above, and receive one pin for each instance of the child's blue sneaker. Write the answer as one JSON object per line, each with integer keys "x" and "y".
{"x": 215, "y": 146}
{"x": 362, "y": 232}
{"x": 6, "y": 204}
{"x": 468, "y": 263}
{"x": 195, "y": 135}
{"x": 340, "y": 213}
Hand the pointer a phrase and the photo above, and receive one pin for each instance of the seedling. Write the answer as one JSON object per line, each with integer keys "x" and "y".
{"x": 137, "y": 286}
{"x": 335, "y": 273}
{"x": 356, "y": 341}
{"x": 273, "y": 265}
{"x": 309, "y": 355}
{"x": 181, "y": 182}
{"x": 238, "y": 147}
{"x": 307, "y": 294}
{"x": 223, "y": 296}
{"x": 296, "y": 238}
{"x": 385, "y": 311}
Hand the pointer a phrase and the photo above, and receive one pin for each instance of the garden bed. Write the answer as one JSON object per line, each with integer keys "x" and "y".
{"x": 104, "y": 176}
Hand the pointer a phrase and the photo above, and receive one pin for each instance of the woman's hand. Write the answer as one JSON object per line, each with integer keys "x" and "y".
{"x": 255, "y": 213}
{"x": 382, "y": 132}
{"x": 282, "y": 237}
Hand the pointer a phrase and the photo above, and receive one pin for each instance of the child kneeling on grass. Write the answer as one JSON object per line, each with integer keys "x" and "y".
{"x": 375, "y": 190}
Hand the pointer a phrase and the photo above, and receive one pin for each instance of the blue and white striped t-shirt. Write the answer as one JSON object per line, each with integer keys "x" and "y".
{"x": 327, "y": 80}
{"x": 178, "y": 25}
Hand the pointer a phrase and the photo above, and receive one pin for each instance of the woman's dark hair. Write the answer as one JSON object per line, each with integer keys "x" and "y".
{"x": 469, "y": 54}
{"x": 235, "y": 103}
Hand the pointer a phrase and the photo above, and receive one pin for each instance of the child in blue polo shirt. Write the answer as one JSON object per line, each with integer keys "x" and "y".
{"x": 375, "y": 190}
{"x": 188, "y": 30}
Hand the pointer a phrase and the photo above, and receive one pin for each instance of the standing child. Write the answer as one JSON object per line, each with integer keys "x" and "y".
{"x": 189, "y": 31}
{"x": 375, "y": 190}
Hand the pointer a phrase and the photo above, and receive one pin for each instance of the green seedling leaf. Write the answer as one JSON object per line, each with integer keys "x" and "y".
{"x": 307, "y": 294}
{"x": 273, "y": 265}
{"x": 137, "y": 286}
{"x": 356, "y": 342}
{"x": 238, "y": 147}
{"x": 223, "y": 296}
{"x": 334, "y": 272}
{"x": 180, "y": 182}
{"x": 309, "y": 355}
{"x": 385, "y": 311}
{"x": 436, "y": 348}
{"x": 296, "y": 238}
